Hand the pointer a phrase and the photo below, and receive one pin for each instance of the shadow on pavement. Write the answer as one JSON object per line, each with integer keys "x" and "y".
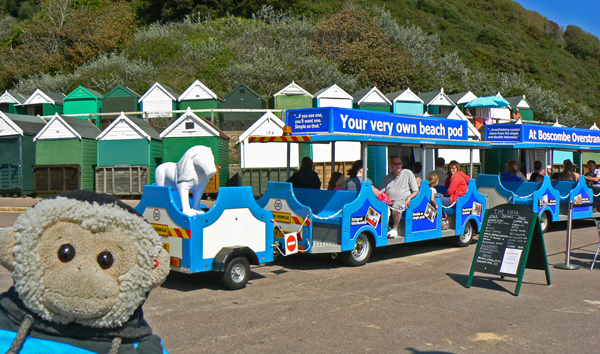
{"x": 486, "y": 282}
{"x": 197, "y": 281}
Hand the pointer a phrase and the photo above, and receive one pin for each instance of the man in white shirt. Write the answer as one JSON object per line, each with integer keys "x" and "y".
{"x": 401, "y": 186}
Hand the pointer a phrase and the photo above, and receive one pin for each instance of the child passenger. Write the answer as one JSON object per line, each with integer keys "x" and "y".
{"x": 433, "y": 181}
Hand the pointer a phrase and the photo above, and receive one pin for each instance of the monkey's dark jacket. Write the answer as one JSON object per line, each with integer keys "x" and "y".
{"x": 49, "y": 337}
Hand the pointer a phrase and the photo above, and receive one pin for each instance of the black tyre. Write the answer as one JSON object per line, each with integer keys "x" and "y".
{"x": 360, "y": 254}
{"x": 467, "y": 237}
{"x": 545, "y": 221}
{"x": 236, "y": 273}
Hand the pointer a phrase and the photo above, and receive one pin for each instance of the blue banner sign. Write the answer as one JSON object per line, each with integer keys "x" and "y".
{"x": 541, "y": 134}
{"x": 354, "y": 121}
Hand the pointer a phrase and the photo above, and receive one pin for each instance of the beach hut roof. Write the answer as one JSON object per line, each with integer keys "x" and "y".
{"x": 139, "y": 125}
{"x": 458, "y": 115}
{"x": 403, "y": 96}
{"x": 462, "y": 98}
{"x": 23, "y": 124}
{"x": 166, "y": 89}
{"x": 40, "y": 97}
{"x": 519, "y": 102}
{"x": 79, "y": 128}
{"x": 197, "y": 91}
{"x": 333, "y": 91}
{"x": 125, "y": 88}
{"x": 293, "y": 90}
{"x": 10, "y": 96}
{"x": 89, "y": 91}
{"x": 436, "y": 98}
{"x": 243, "y": 85}
{"x": 370, "y": 96}
{"x": 208, "y": 126}
{"x": 268, "y": 117}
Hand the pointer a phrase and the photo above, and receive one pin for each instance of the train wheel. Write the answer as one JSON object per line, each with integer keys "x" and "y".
{"x": 465, "y": 239}
{"x": 236, "y": 273}
{"x": 545, "y": 221}
{"x": 361, "y": 252}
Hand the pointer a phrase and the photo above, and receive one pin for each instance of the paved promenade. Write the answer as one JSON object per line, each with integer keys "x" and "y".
{"x": 407, "y": 299}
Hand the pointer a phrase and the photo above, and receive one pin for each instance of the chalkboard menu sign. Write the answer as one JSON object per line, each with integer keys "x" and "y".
{"x": 511, "y": 240}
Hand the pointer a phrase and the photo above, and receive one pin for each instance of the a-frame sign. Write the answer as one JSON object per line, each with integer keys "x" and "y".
{"x": 511, "y": 240}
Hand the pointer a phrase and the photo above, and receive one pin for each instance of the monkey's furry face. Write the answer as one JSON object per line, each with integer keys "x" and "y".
{"x": 92, "y": 264}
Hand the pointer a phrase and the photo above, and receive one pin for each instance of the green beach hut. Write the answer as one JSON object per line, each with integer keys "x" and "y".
{"x": 17, "y": 151}
{"x": 191, "y": 130}
{"x": 291, "y": 97}
{"x": 129, "y": 150}
{"x": 198, "y": 96}
{"x": 83, "y": 100}
{"x": 437, "y": 102}
{"x": 119, "y": 99}
{"x": 371, "y": 99}
{"x": 11, "y": 101}
{"x": 44, "y": 103}
{"x": 461, "y": 99}
{"x": 242, "y": 97}
{"x": 520, "y": 102}
{"x": 65, "y": 155}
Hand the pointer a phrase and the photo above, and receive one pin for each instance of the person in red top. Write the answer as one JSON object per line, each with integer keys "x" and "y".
{"x": 458, "y": 185}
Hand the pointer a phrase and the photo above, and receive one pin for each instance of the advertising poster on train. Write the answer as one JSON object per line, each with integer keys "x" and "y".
{"x": 424, "y": 218}
{"x": 472, "y": 207}
{"x": 367, "y": 215}
{"x": 582, "y": 198}
{"x": 547, "y": 200}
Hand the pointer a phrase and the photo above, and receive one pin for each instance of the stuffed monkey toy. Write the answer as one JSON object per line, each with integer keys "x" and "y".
{"x": 82, "y": 264}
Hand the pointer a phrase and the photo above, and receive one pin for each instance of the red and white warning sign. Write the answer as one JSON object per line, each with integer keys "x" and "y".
{"x": 290, "y": 244}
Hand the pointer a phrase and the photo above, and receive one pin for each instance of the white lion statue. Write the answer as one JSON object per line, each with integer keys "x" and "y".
{"x": 192, "y": 173}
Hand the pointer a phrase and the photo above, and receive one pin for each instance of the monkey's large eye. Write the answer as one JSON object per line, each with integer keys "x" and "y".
{"x": 66, "y": 253}
{"x": 105, "y": 260}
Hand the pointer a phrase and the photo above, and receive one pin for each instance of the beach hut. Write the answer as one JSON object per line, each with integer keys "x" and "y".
{"x": 198, "y": 96}
{"x": 461, "y": 155}
{"x": 406, "y": 102}
{"x": 461, "y": 99}
{"x": 345, "y": 152}
{"x": 332, "y": 96}
{"x": 265, "y": 162}
{"x": 119, "y": 99}
{"x": 44, "y": 103}
{"x": 129, "y": 150}
{"x": 371, "y": 99}
{"x": 437, "y": 102}
{"x": 290, "y": 97}
{"x": 242, "y": 97}
{"x": 11, "y": 101}
{"x": 65, "y": 155}
{"x": 17, "y": 151}
{"x": 521, "y": 102}
{"x": 191, "y": 130}
{"x": 159, "y": 98}
{"x": 83, "y": 100}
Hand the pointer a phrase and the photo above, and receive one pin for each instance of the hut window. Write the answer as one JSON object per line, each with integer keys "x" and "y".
{"x": 189, "y": 125}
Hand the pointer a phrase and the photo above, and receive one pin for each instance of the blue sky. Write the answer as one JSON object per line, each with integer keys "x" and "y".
{"x": 582, "y": 13}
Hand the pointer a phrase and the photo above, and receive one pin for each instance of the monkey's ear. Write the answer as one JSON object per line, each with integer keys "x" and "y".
{"x": 7, "y": 242}
{"x": 162, "y": 266}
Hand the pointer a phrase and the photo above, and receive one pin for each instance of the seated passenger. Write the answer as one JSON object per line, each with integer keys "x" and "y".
{"x": 537, "y": 166}
{"x": 510, "y": 174}
{"x": 401, "y": 186}
{"x": 459, "y": 184}
{"x": 336, "y": 181}
{"x": 592, "y": 177}
{"x": 568, "y": 174}
{"x": 433, "y": 179}
{"x": 306, "y": 177}
{"x": 440, "y": 165}
{"x": 354, "y": 183}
